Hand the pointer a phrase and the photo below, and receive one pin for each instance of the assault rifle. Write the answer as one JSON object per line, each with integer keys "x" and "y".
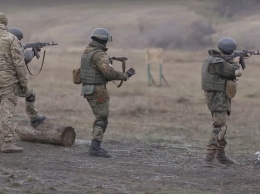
{"x": 242, "y": 54}
{"x": 123, "y": 61}
{"x": 38, "y": 45}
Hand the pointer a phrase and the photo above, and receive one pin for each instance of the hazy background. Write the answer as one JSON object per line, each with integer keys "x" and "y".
{"x": 183, "y": 29}
{"x": 186, "y": 24}
{"x": 173, "y": 122}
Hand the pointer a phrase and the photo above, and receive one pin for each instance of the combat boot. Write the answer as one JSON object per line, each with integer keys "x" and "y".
{"x": 96, "y": 150}
{"x": 37, "y": 120}
{"x": 222, "y": 158}
{"x": 211, "y": 161}
{"x": 10, "y": 147}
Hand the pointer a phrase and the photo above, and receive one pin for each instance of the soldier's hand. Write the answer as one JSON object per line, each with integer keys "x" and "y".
{"x": 238, "y": 72}
{"x": 23, "y": 90}
{"x": 236, "y": 59}
{"x": 248, "y": 55}
{"x": 130, "y": 72}
{"x": 38, "y": 49}
{"x": 110, "y": 60}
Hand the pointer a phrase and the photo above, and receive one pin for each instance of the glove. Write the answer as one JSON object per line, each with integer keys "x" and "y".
{"x": 130, "y": 72}
{"x": 38, "y": 49}
{"x": 23, "y": 90}
{"x": 238, "y": 72}
{"x": 236, "y": 60}
{"x": 110, "y": 60}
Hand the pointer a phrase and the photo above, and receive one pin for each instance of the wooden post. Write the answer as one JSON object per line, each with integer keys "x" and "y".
{"x": 162, "y": 78}
{"x": 150, "y": 77}
{"x": 161, "y": 74}
{"x": 149, "y": 74}
{"x": 154, "y": 56}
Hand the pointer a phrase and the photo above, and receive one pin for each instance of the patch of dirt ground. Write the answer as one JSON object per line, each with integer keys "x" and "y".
{"x": 135, "y": 167}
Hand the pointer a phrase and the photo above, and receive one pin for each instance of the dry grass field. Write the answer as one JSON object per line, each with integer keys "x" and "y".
{"x": 156, "y": 135}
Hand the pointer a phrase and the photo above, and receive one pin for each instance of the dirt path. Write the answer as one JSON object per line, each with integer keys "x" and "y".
{"x": 135, "y": 167}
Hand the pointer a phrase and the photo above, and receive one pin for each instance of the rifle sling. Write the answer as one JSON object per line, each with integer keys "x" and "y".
{"x": 43, "y": 57}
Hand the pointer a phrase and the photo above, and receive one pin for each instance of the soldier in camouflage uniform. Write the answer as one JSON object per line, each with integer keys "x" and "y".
{"x": 30, "y": 96}
{"x": 216, "y": 71}
{"x": 12, "y": 74}
{"x": 96, "y": 71}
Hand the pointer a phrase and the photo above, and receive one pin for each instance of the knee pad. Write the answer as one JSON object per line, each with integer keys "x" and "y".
{"x": 31, "y": 97}
{"x": 222, "y": 132}
{"x": 103, "y": 124}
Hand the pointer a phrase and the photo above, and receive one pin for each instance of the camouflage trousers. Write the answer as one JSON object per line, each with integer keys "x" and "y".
{"x": 217, "y": 140}
{"x": 98, "y": 99}
{"x": 31, "y": 110}
{"x": 30, "y": 96}
{"x": 101, "y": 112}
{"x": 8, "y": 102}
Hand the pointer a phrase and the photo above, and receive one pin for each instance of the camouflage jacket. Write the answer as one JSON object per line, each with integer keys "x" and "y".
{"x": 224, "y": 69}
{"x": 100, "y": 62}
{"x": 12, "y": 66}
{"x": 218, "y": 101}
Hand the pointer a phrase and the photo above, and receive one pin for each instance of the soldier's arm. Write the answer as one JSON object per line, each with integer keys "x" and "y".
{"x": 28, "y": 56}
{"x": 224, "y": 69}
{"x": 18, "y": 61}
{"x": 104, "y": 65}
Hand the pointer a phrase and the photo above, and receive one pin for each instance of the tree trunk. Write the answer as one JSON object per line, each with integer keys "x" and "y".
{"x": 47, "y": 133}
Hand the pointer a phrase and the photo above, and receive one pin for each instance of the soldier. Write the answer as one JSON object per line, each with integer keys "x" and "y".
{"x": 30, "y": 96}
{"x": 218, "y": 75}
{"x": 96, "y": 71}
{"x": 13, "y": 75}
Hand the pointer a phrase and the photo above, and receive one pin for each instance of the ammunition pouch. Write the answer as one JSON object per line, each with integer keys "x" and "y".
{"x": 231, "y": 89}
{"x": 76, "y": 76}
{"x": 87, "y": 89}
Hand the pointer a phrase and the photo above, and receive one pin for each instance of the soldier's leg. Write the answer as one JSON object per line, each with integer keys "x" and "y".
{"x": 217, "y": 135}
{"x": 31, "y": 110}
{"x": 7, "y": 108}
{"x": 221, "y": 156}
{"x": 101, "y": 112}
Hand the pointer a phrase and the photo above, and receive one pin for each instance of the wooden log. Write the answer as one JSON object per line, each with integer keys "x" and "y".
{"x": 47, "y": 133}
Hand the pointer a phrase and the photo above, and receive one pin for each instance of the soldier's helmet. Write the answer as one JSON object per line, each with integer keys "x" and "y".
{"x": 17, "y": 32}
{"x": 102, "y": 34}
{"x": 227, "y": 45}
{"x": 3, "y": 19}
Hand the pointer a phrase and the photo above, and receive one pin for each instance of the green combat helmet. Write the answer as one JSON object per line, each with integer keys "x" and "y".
{"x": 3, "y": 19}
{"x": 17, "y": 32}
{"x": 101, "y": 34}
{"x": 227, "y": 45}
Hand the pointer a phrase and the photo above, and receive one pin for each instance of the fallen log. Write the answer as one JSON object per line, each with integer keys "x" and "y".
{"x": 47, "y": 133}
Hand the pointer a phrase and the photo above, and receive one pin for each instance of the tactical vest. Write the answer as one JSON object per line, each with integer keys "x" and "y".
{"x": 211, "y": 82}
{"x": 88, "y": 75}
